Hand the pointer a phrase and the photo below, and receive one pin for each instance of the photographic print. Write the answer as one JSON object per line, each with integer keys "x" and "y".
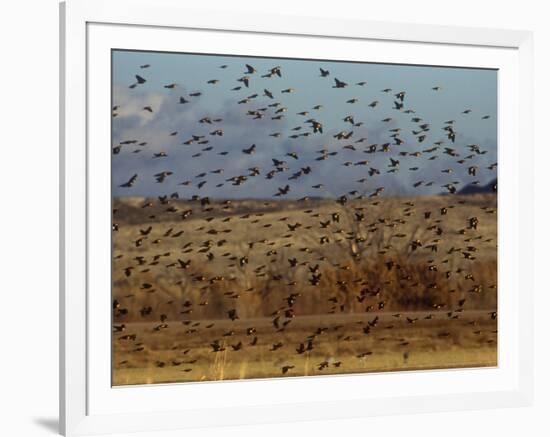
{"x": 276, "y": 217}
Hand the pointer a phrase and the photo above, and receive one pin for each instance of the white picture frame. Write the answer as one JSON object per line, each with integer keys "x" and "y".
{"x": 88, "y": 404}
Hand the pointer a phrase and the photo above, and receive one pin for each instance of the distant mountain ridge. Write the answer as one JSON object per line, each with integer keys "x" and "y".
{"x": 491, "y": 187}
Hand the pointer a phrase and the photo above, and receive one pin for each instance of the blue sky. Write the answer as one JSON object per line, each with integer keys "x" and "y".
{"x": 460, "y": 89}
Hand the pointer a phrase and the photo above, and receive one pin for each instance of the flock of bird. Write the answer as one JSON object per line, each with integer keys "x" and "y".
{"x": 260, "y": 96}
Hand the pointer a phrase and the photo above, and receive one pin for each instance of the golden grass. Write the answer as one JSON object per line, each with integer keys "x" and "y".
{"x": 388, "y": 362}
{"x": 368, "y": 267}
{"x": 425, "y": 349}
{"x": 355, "y": 260}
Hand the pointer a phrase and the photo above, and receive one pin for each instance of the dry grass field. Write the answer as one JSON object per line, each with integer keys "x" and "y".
{"x": 253, "y": 289}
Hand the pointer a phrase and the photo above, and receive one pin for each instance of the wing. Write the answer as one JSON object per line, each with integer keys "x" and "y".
{"x": 130, "y": 181}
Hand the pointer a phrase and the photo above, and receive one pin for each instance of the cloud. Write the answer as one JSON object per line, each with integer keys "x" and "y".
{"x": 241, "y": 130}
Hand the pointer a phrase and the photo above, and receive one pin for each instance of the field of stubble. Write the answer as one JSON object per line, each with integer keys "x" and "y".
{"x": 254, "y": 290}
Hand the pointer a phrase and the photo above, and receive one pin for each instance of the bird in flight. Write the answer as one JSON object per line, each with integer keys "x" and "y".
{"x": 339, "y": 83}
{"x": 130, "y": 182}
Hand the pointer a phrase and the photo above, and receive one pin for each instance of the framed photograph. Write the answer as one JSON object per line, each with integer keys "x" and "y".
{"x": 280, "y": 218}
